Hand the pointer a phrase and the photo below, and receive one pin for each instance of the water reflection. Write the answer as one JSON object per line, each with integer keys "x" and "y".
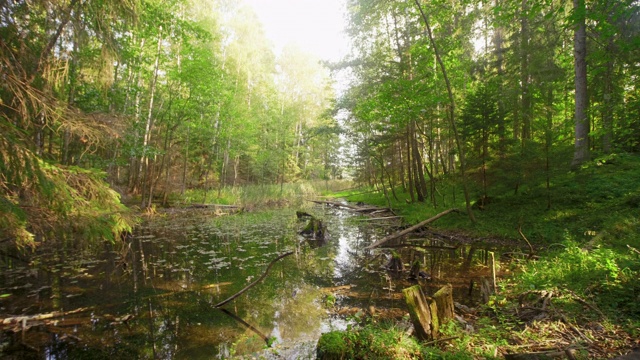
{"x": 154, "y": 298}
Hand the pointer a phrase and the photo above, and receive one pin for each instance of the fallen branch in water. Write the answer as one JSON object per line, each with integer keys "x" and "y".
{"x": 411, "y": 229}
{"x": 55, "y": 314}
{"x": 255, "y": 282}
{"x": 249, "y": 326}
{"x": 350, "y": 207}
{"x": 426, "y": 247}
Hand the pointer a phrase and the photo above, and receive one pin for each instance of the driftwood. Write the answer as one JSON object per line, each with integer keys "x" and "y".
{"x": 409, "y": 230}
{"x": 426, "y": 247}
{"x": 381, "y": 218}
{"x": 350, "y": 207}
{"x": 55, "y": 314}
{"x": 205, "y": 206}
{"x": 266, "y": 271}
{"x": 249, "y": 326}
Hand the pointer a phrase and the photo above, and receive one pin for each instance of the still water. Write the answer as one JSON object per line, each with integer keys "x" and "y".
{"x": 154, "y": 297}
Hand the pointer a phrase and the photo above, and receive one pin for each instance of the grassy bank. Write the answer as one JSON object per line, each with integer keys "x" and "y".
{"x": 264, "y": 195}
{"x": 585, "y": 228}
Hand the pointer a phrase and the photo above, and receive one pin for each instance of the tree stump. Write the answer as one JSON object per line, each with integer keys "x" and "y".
{"x": 423, "y": 312}
{"x": 395, "y": 264}
{"x": 444, "y": 303}
{"x": 486, "y": 290}
{"x": 314, "y": 229}
{"x": 414, "y": 273}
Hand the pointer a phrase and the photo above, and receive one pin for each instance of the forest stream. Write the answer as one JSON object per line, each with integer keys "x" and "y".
{"x": 155, "y": 297}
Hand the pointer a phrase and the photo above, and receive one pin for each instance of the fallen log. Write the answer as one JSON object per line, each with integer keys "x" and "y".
{"x": 409, "y": 230}
{"x": 426, "y": 247}
{"x": 54, "y": 314}
{"x": 266, "y": 271}
{"x": 204, "y": 206}
{"x": 381, "y": 218}
{"x": 350, "y": 207}
{"x": 333, "y": 203}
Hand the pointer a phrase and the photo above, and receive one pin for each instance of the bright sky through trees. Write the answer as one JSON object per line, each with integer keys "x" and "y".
{"x": 316, "y": 26}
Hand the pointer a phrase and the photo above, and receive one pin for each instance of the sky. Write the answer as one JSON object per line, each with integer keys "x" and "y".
{"x": 316, "y": 26}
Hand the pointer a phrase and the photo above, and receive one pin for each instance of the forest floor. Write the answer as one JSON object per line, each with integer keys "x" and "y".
{"x": 579, "y": 294}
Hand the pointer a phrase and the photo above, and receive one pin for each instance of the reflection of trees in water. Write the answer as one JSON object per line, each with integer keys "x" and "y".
{"x": 176, "y": 270}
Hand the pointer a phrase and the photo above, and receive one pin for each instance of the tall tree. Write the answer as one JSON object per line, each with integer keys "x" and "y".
{"x": 582, "y": 127}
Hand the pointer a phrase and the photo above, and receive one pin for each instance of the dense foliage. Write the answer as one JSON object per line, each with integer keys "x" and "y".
{"x": 441, "y": 87}
{"x": 152, "y": 97}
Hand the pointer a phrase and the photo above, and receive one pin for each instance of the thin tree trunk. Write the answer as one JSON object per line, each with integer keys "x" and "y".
{"x": 607, "y": 115}
{"x": 526, "y": 96}
{"x": 144, "y": 160}
{"x": 451, "y": 115}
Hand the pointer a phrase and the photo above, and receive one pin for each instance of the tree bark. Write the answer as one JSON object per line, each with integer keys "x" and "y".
{"x": 423, "y": 312}
{"x": 581, "y": 150}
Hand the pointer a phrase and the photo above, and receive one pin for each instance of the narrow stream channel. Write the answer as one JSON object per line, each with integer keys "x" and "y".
{"x": 154, "y": 299}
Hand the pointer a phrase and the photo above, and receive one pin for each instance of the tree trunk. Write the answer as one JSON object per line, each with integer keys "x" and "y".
{"x": 444, "y": 303}
{"x": 607, "y": 114}
{"x": 526, "y": 96}
{"x": 459, "y": 145}
{"x": 144, "y": 160}
{"x": 423, "y": 312}
{"x": 581, "y": 150}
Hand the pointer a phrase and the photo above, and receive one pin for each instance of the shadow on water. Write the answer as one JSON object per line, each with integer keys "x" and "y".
{"x": 154, "y": 297}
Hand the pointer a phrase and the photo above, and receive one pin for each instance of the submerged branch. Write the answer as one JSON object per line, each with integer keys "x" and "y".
{"x": 255, "y": 282}
{"x": 37, "y": 317}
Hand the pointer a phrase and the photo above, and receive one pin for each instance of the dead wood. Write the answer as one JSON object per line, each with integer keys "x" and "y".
{"x": 266, "y": 271}
{"x": 633, "y": 249}
{"x": 423, "y": 312}
{"x": 54, "y": 314}
{"x": 410, "y": 229}
{"x": 249, "y": 326}
{"x": 350, "y": 207}
{"x": 531, "y": 252}
{"x": 336, "y": 204}
{"x": 205, "y": 206}
{"x": 541, "y": 355}
{"x": 444, "y": 303}
{"x": 381, "y": 218}
{"x": 427, "y": 247}
{"x": 585, "y": 303}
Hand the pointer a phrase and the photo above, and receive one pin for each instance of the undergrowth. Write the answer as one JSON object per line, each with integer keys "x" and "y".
{"x": 585, "y": 229}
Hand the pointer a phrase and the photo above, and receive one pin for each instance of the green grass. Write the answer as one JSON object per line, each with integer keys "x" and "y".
{"x": 380, "y": 341}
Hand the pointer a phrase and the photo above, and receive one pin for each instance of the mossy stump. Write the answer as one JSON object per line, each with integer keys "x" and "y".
{"x": 315, "y": 229}
{"x": 395, "y": 263}
{"x": 444, "y": 303}
{"x": 423, "y": 312}
{"x": 331, "y": 346}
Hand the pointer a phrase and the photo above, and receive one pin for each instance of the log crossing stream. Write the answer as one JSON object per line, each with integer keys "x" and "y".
{"x": 155, "y": 297}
